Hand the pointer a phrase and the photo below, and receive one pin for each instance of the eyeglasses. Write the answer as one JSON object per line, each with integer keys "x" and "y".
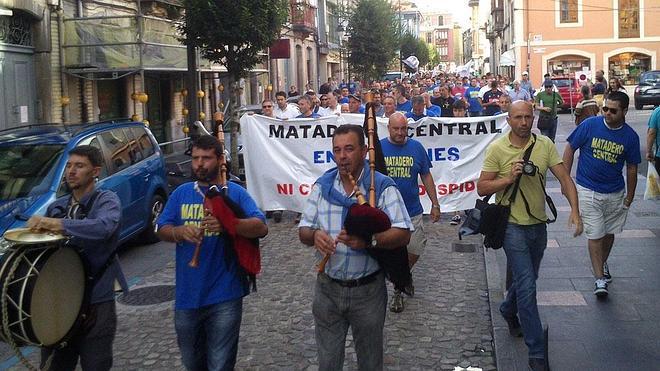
{"x": 611, "y": 110}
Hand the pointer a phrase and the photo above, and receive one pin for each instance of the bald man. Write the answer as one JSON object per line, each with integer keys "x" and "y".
{"x": 525, "y": 239}
{"x": 407, "y": 161}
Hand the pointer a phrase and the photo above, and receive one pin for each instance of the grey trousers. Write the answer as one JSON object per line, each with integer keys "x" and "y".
{"x": 335, "y": 308}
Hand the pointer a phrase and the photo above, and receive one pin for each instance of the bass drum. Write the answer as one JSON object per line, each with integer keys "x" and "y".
{"x": 45, "y": 295}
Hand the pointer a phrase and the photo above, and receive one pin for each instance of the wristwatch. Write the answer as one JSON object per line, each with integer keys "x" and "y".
{"x": 373, "y": 240}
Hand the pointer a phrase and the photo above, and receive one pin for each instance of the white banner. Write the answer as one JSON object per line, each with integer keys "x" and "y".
{"x": 283, "y": 158}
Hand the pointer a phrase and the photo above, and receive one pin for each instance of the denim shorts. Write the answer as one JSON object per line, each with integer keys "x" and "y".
{"x": 602, "y": 213}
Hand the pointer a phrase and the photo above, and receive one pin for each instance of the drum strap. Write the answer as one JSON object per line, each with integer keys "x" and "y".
{"x": 80, "y": 211}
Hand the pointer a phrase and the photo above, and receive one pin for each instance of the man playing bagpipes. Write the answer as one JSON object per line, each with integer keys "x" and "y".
{"x": 211, "y": 277}
{"x": 350, "y": 291}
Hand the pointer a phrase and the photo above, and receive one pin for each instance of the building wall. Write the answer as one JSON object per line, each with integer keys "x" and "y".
{"x": 593, "y": 38}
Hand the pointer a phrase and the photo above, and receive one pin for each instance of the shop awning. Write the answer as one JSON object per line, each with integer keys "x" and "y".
{"x": 508, "y": 58}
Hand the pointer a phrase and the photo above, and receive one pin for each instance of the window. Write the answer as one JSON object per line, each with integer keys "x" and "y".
{"x": 568, "y": 11}
{"x": 429, "y": 38}
{"x": 440, "y": 21}
{"x": 146, "y": 146}
{"x": 118, "y": 147}
{"x": 628, "y": 18}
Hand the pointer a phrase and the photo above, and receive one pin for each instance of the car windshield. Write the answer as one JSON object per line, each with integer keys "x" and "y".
{"x": 562, "y": 83}
{"x": 650, "y": 78}
{"x": 27, "y": 170}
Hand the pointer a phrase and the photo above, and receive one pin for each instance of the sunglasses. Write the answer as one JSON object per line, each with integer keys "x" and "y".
{"x": 266, "y": 106}
{"x": 612, "y": 110}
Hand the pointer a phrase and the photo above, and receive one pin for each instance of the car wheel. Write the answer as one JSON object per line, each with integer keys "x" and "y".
{"x": 156, "y": 208}
{"x": 638, "y": 106}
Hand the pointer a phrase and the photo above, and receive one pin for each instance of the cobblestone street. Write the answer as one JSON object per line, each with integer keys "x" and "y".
{"x": 446, "y": 323}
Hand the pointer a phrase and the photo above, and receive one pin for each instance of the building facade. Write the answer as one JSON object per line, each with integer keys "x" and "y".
{"x": 437, "y": 30}
{"x": 620, "y": 37}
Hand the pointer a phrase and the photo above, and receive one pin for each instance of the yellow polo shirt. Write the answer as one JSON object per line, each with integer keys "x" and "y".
{"x": 499, "y": 157}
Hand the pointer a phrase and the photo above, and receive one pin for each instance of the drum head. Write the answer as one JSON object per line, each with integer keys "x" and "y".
{"x": 26, "y": 236}
{"x": 57, "y": 296}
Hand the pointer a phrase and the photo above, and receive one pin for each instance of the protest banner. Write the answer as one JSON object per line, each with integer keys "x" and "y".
{"x": 283, "y": 158}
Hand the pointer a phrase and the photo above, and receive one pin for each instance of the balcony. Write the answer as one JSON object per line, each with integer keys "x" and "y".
{"x": 498, "y": 19}
{"x": 303, "y": 17}
{"x": 472, "y": 3}
{"x": 113, "y": 44}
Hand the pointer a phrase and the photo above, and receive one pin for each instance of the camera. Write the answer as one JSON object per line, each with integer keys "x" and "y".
{"x": 528, "y": 168}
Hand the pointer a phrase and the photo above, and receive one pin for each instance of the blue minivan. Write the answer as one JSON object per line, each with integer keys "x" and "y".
{"x": 33, "y": 158}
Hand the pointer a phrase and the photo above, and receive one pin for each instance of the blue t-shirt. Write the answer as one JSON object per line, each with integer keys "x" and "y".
{"x": 314, "y": 115}
{"x": 429, "y": 113}
{"x": 404, "y": 164}
{"x": 472, "y": 95}
{"x": 492, "y": 96}
{"x": 343, "y": 100}
{"x": 213, "y": 281}
{"x": 404, "y": 107}
{"x": 654, "y": 123}
{"x": 602, "y": 154}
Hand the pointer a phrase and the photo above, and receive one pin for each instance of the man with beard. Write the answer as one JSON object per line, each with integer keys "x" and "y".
{"x": 209, "y": 298}
{"x": 443, "y": 100}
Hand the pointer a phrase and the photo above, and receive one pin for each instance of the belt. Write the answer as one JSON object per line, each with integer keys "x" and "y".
{"x": 356, "y": 282}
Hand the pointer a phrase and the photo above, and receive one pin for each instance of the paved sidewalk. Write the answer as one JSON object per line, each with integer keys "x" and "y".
{"x": 445, "y": 325}
{"x": 619, "y": 333}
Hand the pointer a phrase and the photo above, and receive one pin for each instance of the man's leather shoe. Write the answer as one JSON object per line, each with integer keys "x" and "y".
{"x": 537, "y": 364}
{"x": 514, "y": 326}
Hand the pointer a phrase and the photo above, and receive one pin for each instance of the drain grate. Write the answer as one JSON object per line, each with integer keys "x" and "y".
{"x": 149, "y": 295}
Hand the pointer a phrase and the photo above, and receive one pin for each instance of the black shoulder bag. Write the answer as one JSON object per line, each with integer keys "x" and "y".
{"x": 546, "y": 122}
{"x": 491, "y": 220}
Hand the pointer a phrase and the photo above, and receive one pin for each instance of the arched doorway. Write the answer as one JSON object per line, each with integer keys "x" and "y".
{"x": 568, "y": 64}
{"x": 628, "y": 66}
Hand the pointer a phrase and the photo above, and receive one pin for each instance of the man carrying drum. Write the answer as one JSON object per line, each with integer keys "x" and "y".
{"x": 91, "y": 218}
{"x": 209, "y": 293}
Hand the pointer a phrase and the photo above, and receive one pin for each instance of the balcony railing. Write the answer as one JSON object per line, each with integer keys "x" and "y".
{"x": 303, "y": 16}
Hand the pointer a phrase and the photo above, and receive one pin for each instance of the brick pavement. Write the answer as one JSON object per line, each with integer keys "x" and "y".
{"x": 446, "y": 324}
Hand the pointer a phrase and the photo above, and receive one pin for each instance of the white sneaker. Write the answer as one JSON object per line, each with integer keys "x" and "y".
{"x": 455, "y": 220}
{"x": 600, "y": 287}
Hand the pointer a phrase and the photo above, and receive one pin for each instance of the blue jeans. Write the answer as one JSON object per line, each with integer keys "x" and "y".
{"x": 208, "y": 336}
{"x": 552, "y": 131}
{"x": 335, "y": 308}
{"x": 524, "y": 246}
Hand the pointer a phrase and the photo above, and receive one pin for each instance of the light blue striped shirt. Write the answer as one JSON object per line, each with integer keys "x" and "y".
{"x": 347, "y": 263}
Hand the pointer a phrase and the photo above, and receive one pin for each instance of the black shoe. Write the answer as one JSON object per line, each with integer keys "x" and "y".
{"x": 537, "y": 364}
{"x": 277, "y": 216}
{"x": 514, "y": 326}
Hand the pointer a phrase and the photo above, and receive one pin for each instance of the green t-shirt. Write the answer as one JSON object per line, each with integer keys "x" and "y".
{"x": 548, "y": 102}
{"x": 501, "y": 154}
